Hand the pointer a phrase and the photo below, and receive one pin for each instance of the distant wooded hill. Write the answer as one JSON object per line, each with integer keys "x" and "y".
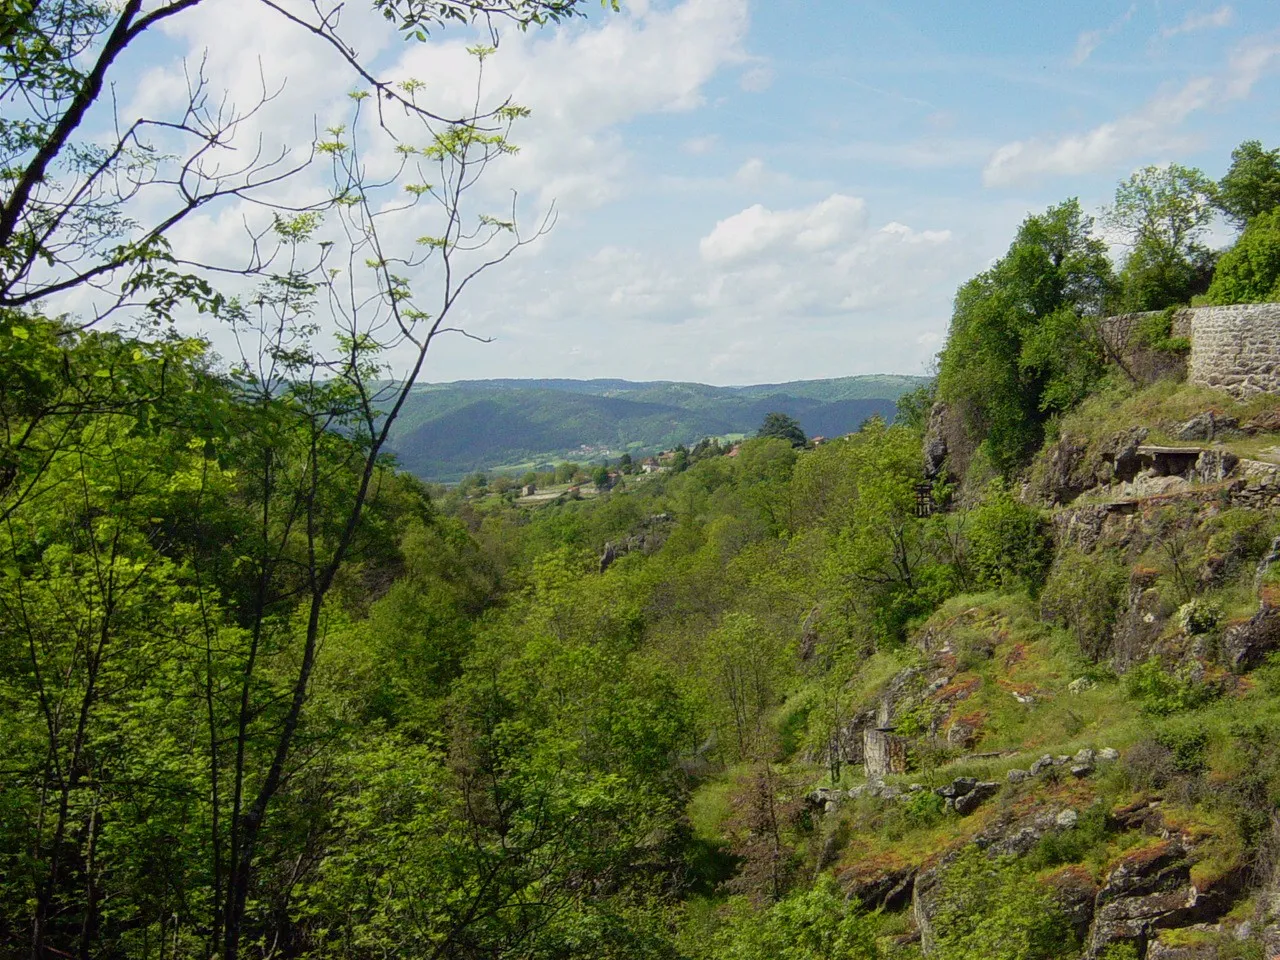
{"x": 448, "y": 430}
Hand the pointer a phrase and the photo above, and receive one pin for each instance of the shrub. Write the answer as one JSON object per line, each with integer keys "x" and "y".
{"x": 995, "y": 909}
{"x": 924, "y": 808}
{"x": 1074, "y": 845}
{"x": 1083, "y": 594}
{"x": 1186, "y": 748}
{"x": 814, "y": 925}
{"x": 1008, "y": 542}
{"x": 1250, "y": 271}
{"x": 1161, "y": 693}
{"x": 1197, "y": 617}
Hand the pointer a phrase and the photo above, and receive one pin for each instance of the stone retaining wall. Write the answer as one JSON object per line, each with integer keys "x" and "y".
{"x": 1235, "y": 348}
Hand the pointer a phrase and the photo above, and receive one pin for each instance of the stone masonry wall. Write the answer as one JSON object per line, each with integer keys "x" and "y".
{"x": 1236, "y": 348}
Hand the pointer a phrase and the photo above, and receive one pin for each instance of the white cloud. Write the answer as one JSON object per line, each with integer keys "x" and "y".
{"x": 1090, "y": 40}
{"x": 1196, "y": 22}
{"x": 1154, "y": 128}
{"x": 756, "y": 229}
{"x": 756, "y": 79}
{"x": 700, "y": 146}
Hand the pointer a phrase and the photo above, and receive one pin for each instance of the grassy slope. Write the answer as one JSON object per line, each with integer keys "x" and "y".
{"x": 998, "y": 646}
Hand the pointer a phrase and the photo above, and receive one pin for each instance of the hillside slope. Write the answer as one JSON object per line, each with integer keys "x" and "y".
{"x": 447, "y": 430}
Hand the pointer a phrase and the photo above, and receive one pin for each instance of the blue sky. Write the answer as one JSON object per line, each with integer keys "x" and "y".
{"x": 754, "y": 191}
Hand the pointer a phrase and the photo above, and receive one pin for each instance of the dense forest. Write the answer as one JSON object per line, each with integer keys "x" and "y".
{"x": 263, "y": 694}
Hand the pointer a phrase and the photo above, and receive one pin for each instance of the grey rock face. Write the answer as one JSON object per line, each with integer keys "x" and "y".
{"x": 1245, "y": 645}
{"x": 1041, "y": 765}
{"x": 980, "y": 793}
{"x": 1214, "y": 466}
{"x": 1206, "y": 426}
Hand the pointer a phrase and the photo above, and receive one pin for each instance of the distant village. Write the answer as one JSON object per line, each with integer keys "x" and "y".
{"x": 575, "y": 479}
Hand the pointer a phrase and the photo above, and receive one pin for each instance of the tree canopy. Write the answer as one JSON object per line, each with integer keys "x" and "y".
{"x": 783, "y": 427}
{"x": 1018, "y": 348}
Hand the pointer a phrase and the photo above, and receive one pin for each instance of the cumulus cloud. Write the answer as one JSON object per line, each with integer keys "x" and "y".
{"x": 1196, "y": 22}
{"x": 757, "y": 229}
{"x": 1154, "y": 128}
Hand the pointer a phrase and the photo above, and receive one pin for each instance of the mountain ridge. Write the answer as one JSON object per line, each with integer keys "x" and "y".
{"x": 447, "y": 430}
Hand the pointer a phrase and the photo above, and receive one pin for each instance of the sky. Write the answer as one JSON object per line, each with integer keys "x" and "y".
{"x": 756, "y": 191}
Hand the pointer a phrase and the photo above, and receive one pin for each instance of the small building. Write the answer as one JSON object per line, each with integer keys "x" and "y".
{"x": 650, "y": 465}
{"x": 528, "y": 490}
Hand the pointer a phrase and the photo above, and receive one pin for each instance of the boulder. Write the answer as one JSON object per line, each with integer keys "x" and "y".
{"x": 1206, "y": 426}
{"x": 1074, "y": 891}
{"x": 888, "y": 890}
{"x": 1018, "y": 776}
{"x": 1067, "y": 819}
{"x": 1109, "y": 754}
{"x": 957, "y": 787}
{"x": 981, "y": 792}
{"x": 1140, "y": 626}
{"x": 1040, "y": 766}
{"x": 935, "y": 441}
{"x": 1245, "y": 645}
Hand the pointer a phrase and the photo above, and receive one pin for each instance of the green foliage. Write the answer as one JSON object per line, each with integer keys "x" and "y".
{"x": 1250, "y": 271}
{"x": 1198, "y": 616}
{"x": 1084, "y": 594}
{"x": 1251, "y": 187}
{"x": 1071, "y": 846}
{"x": 816, "y": 924}
{"x": 1019, "y": 349}
{"x": 1009, "y": 544}
{"x": 1161, "y": 693}
{"x": 1163, "y": 212}
{"x": 913, "y": 408}
{"x": 1155, "y": 332}
{"x": 924, "y": 808}
{"x": 995, "y": 909}
{"x": 782, "y": 427}
{"x": 1186, "y": 746}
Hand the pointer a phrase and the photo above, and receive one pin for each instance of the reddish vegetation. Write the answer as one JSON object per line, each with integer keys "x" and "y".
{"x": 1269, "y": 594}
{"x": 1144, "y": 855}
{"x": 958, "y": 690}
{"x": 1016, "y": 655}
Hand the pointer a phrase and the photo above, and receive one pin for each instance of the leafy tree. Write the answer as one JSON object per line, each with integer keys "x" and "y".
{"x": 1008, "y": 543}
{"x": 1250, "y": 271}
{"x": 996, "y": 909}
{"x": 782, "y": 427}
{"x": 1084, "y": 594}
{"x": 1162, "y": 212}
{"x": 600, "y": 477}
{"x": 1020, "y": 347}
{"x": 815, "y": 924}
{"x": 202, "y": 593}
{"x": 1251, "y": 187}
{"x": 913, "y": 408}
